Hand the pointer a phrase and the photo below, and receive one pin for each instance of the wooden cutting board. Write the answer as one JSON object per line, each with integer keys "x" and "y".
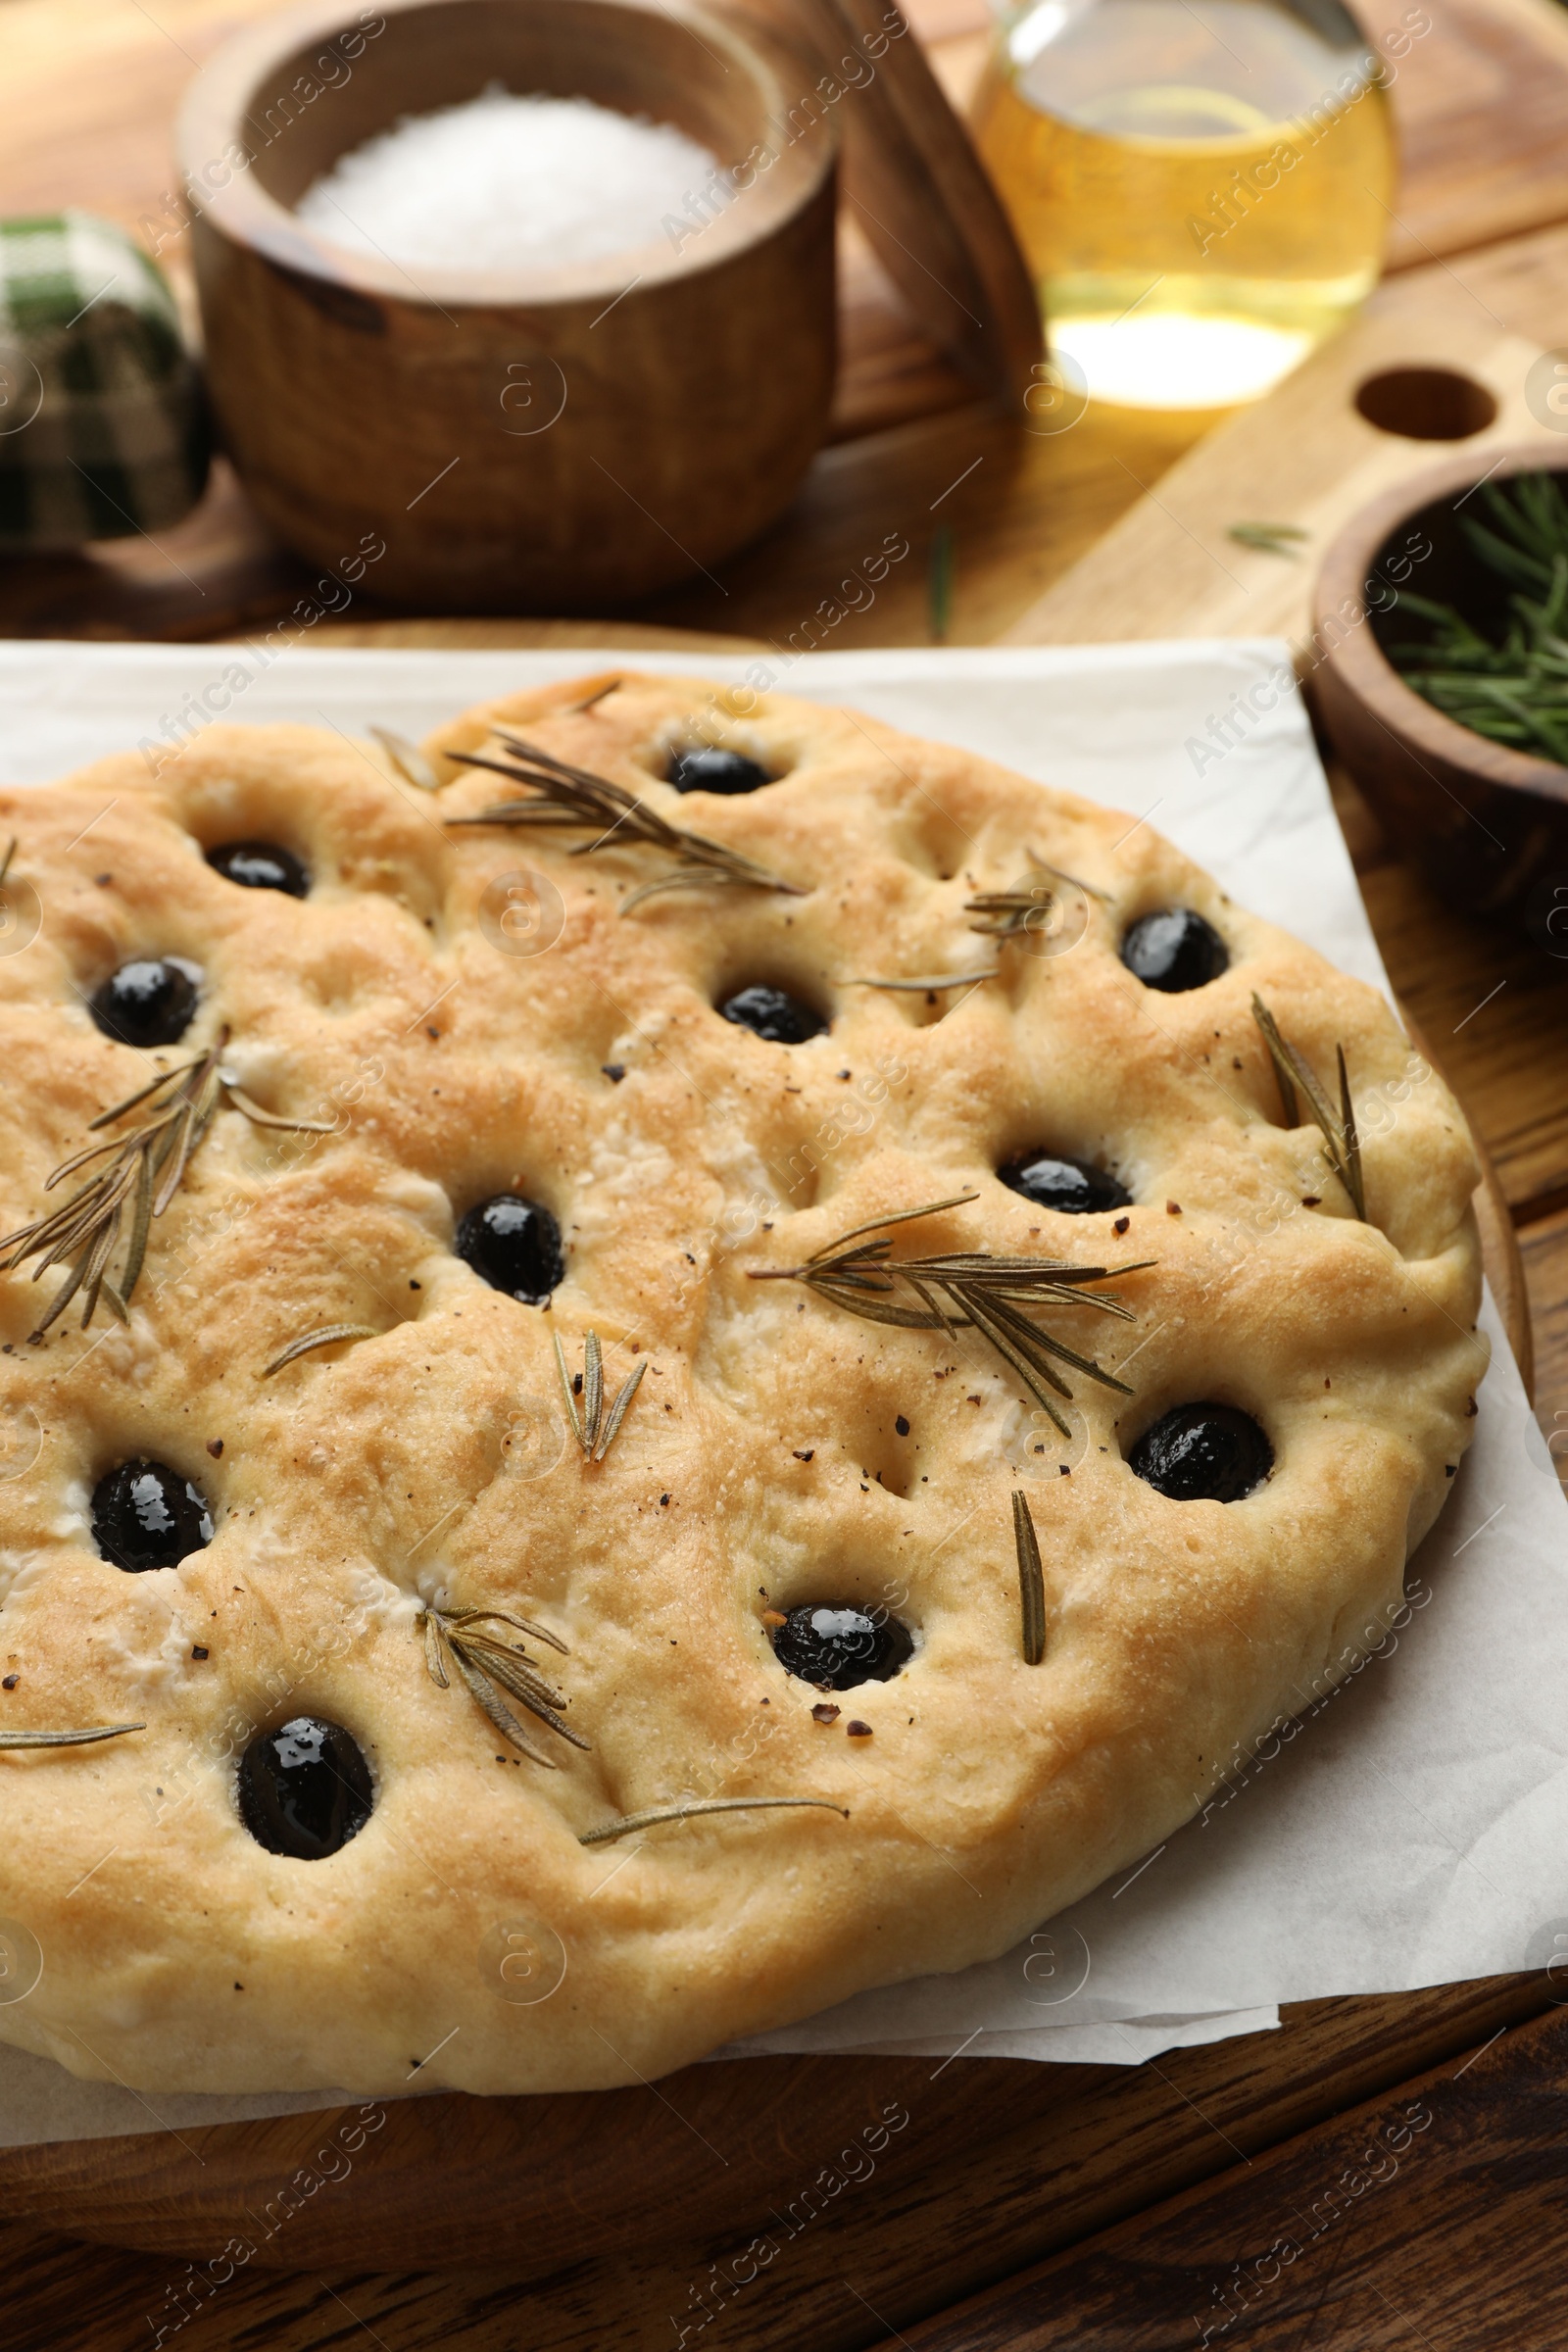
{"x": 1435, "y": 347}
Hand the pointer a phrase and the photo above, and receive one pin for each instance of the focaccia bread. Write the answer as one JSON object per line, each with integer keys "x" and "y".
{"x": 544, "y": 1141}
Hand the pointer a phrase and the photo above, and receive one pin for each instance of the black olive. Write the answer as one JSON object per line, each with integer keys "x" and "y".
{"x": 145, "y": 1515}
{"x": 148, "y": 1001}
{"x": 1203, "y": 1453}
{"x": 1174, "y": 950}
{"x": 1071, "y": 1186}
{"x": 304, "y": 1789}
{"x": 260, "y": 865}
{"x": 709, "y": 767}
{"x": 837, "y": 1645}
{"x": 515, "y": 1246}
{"x": 774, "y": 1014}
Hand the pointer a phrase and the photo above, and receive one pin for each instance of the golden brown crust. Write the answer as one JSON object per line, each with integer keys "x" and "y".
{"x": 762, "y": 1463}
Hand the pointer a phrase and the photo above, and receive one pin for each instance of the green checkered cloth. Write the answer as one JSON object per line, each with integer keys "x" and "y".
{"x": 103, "y": 425}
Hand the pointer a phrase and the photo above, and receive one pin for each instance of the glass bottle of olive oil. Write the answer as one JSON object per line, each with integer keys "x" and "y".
{"x": 1201, "y": 186}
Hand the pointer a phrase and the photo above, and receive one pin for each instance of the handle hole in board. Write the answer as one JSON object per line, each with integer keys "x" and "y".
{"x": 1426, "y": 404}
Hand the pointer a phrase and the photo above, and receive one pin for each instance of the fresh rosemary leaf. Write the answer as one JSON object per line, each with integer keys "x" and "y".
{"x": 1269, "y": 538}
{"x": 966, "y": 1289}
{"x": 618, "y": 1411}
{"x": 408, "y": 758}
{"x": 327, "y": 1337}
{"x": 933, "y": 982}
{"x": 902, "y": 1216}
{"x": 1351, "y": 1140}
{"x": 107, "y": 1118}
{"x": 1009, "y": 913}
{"x": 708, "y": 1805}
{"x": 514, "y": 1667}
{"x": 699, "y": 875}
{"x": 501, "y": 1664}
{"x": 1342, "y": 1143}
{"x": 258, "y": 1117}
{"x": 1283, "y": 1059}
{"x": 483, "y": 1662}
{"x": 576, "y": 799}
{"x": 482, "y": 1691}
{"x": 102, "y": 1731}
{"x": 565, "y": 1383}
{"x": 140, "y": 1224}
{"x": 596, "y": 1427}
{"x": 1031, "y": 1581}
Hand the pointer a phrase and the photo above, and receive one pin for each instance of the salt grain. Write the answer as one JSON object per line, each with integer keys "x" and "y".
{"x": 508, "y": 184}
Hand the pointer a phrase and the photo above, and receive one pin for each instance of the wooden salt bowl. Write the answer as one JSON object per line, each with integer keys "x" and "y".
{"x": 565, "y": 440}
{"x": 1486, "y": 826}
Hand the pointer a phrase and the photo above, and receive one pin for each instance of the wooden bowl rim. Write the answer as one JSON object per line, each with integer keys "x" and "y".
{"x": 1365, "y": 670}
{"x": 212, "y": 121}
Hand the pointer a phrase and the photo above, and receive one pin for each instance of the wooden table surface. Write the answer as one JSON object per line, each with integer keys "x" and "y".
{"x": 1381, "y": 2172}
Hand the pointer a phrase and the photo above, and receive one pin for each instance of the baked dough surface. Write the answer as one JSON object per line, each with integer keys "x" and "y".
{"x": 761, "y": 1465}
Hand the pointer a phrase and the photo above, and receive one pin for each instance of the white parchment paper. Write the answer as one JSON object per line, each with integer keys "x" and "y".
{"x": 1414, "y": 1828}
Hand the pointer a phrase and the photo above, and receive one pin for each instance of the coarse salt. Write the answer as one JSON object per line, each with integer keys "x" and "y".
{"x": 508, "y": 184}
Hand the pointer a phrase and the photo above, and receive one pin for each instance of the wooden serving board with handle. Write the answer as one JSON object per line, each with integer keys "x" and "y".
{"x": 1452, "y": 354}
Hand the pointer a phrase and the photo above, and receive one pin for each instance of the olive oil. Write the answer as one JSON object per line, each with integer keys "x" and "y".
{"x": 1203, "y": 192}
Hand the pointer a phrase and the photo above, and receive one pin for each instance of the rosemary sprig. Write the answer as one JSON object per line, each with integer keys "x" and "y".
{"x": 144, "y": 1171}
{"x": 1004, "y": 914}
{"x": 1031, "y": 1581}
{"x": 596, "y": 1428}
{"x": 707, "y": 1804}
{"x": 485, "y": 1662}
{"x": 408, "y": 758}
{"x": 573, "y": 798}
{"x": 326, "y": 1337}
{"x": 1342, "y": 1143}
{"x": 99, "y": 1730}
{"x": 966, "y": 1289}
{"x": 1514, "y": 692}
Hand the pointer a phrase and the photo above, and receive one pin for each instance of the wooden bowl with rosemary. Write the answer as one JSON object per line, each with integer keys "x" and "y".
{"x": 553, "y": 434}
{"x": 1441, "y": 616}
